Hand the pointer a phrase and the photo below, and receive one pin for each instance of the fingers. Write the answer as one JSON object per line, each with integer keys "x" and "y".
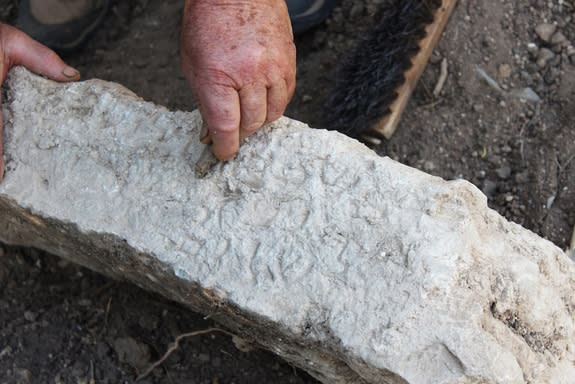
{"x": 277, "y": 100}
{"x": 23, "y": 50}
{"x": 230, "y": 116}
{"x": 261, "y": 105}
{"x": 253, "y": 105}
{"x": 220, "y": 108}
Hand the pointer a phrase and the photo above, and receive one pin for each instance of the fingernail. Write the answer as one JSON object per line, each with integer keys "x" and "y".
{"x": 70, "y": 72}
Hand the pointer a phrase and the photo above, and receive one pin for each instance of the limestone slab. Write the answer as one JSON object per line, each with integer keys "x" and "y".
{"x": 352, "y": 266}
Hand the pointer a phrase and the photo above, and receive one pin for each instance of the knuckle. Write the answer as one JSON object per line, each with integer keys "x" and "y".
{"x": 222, "y": 127}
{"x": 254, "y": 119}
{"x": 253, "y": 107}
{"x": 48, "y": 55}
{"x": 221, "y": 123}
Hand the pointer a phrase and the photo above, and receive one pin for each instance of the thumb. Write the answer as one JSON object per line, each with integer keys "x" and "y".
{"x": 21, "y": 49}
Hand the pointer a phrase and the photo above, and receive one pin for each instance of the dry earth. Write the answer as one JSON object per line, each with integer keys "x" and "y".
{"x": 63, "y": 324}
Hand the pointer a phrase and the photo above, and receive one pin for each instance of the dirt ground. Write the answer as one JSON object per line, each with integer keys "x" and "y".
{"x": 60, "y": 323}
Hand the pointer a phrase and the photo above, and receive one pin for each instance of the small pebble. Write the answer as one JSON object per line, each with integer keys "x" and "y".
{"x": 6, "y": 352}
{"x": 551, "y": 76}
{"x": 557, "y": 48}
{"x": 149, "y": 322}
{"x": 428, "y": 166}
{"x": 132, "y": 352}
{"x": 23, "y": 376}
{"x": 503, "y": 172}
{"x": 558, "y": 39}
{"x": 58, "y": 379}
{"x": 545, "y": 31}
{"x": 533, "y": 49}
{"x": 356, "y": 10}
{"x": 85, "y": 302}
{"x": 522, "y": 178}
{"x": 30, "y": 316}
{"x": 504, "y": 71}
{"x": 544, "y": 56}
{"x": 489, "y": 188}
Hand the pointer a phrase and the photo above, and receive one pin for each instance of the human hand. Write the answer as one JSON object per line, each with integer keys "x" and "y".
{"x": 17, "y": 48}
{"x": 239, "y": 58}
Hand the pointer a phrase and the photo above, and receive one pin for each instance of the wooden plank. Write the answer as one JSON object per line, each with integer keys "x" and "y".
{"x": 388, "y": 124}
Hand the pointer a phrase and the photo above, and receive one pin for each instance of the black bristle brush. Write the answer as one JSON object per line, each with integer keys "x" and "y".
{"x": 371, "y": 80}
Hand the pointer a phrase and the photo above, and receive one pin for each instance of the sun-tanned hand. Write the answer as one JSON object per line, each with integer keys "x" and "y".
{"x": 16, "y": 48}
{"x": 239, "y": 58}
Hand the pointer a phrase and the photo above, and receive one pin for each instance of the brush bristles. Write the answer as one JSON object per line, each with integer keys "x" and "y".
{"x": 366, "y": 84}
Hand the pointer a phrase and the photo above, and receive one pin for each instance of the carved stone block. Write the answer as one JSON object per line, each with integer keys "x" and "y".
{"x": 354, "y": 267}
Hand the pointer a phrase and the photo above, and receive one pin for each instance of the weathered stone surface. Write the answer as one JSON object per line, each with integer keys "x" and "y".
{"x": 354, "y": 267}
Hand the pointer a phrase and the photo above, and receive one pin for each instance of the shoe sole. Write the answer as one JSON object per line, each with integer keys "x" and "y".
{"x": 304, "y": 21}
{"x": 27, "y": 23}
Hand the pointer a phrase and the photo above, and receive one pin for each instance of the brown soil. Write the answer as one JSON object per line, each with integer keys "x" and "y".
{"x": 60, "y": 323}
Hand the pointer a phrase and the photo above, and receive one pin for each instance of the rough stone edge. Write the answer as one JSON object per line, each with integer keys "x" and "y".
{"x": 100, "y": 252}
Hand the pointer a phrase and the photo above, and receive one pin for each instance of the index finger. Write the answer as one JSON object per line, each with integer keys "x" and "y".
{"x": 220, "y": 109}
